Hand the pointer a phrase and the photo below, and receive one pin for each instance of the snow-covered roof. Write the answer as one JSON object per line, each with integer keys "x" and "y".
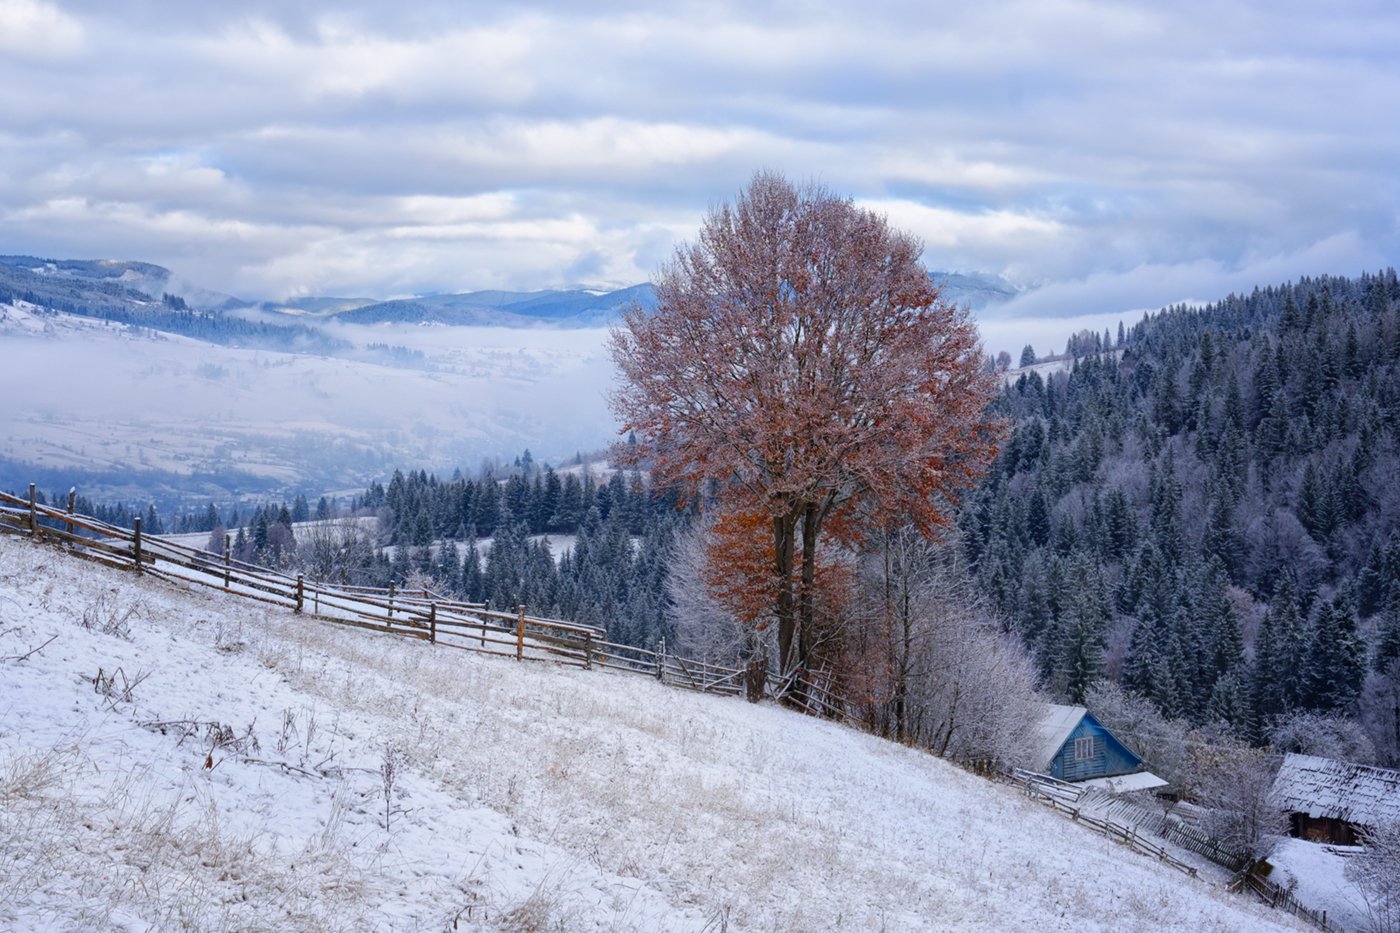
{"x": 1057, "y": 725}
{"x": 1126, "y": 783}
{"x": 1339, "y": 790}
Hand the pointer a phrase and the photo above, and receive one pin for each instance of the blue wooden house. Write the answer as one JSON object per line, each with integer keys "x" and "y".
{"x": 1076, "y": 747}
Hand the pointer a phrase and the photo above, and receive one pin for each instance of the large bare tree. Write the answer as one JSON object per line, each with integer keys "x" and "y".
{"x": 799, "y": 350}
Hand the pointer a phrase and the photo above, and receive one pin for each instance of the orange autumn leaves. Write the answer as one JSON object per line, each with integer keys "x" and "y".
{"x": 740, "y": 569}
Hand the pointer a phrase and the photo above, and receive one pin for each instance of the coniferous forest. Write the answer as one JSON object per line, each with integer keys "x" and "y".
{"x": 1204, "y": 509}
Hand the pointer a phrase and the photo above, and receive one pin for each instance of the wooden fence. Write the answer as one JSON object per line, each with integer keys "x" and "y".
{"x": 1125, "y": 821}
{"x": 1066, "y": 798}
{"x": 1279, "y": 898}
{"x": 1204, "y": 845}
{"x": 417, "y": 613}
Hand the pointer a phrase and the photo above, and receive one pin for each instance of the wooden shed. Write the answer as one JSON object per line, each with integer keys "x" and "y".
{"x": 1076, "y": 747}
{"x": 1333, "y": 801}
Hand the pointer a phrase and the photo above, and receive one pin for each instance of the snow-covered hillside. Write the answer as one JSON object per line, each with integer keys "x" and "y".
{"x": 170, "y": 759}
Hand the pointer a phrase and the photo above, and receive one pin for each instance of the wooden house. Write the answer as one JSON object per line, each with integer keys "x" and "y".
{"x": 1334, "y": 801}
{"x": 1075, "y": 747}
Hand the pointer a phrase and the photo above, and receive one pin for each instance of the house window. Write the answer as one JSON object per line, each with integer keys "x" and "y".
{"x": 1084, "y": 748}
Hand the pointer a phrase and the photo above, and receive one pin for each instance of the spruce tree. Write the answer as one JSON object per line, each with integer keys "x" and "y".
{"x": 1335, "y": 665}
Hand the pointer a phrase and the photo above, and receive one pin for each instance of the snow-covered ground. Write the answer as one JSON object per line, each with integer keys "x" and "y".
{"x": 1317, "y": 875}
{"x": 239, "y": 784}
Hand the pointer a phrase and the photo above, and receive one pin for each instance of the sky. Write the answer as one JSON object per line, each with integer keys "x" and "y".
{"x": 1108, "y": 157}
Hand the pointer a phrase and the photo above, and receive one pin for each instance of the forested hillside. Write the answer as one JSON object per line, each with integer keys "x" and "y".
{"x": 1205, "y": 508}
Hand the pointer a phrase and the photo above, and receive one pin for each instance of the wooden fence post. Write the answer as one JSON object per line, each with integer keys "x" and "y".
{"x": 301, "y": 593}
{"x": 588, "y": 651}
{"x": 228, "y": 555}
{"x": 136, "y": 542}
{"x": 432, "y": 623}
{"x": 391, "y": 600}
{"x": 661, "y": 661}
{"x": 72, "y": 501}
{"x": 33, "y": 514}
{"x": 520, "y": 635}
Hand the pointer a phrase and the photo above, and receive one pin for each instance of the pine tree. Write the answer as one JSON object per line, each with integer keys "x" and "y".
{"x": 1335, "y": 665}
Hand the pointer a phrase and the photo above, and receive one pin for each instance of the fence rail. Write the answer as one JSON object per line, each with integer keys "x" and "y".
{"x": 1279, "y": 898}
{"x": 1204, "y": 845}
{"x": 1123, "y": 820}
{"x": 412, "y": 613}
{"x": 1072, "y": 801}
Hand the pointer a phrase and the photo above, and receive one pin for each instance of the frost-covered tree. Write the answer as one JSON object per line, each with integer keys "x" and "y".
{"x": 799, "y": 350}
{"x": 1376, "y": 871}
{"x": 930, "y": 664}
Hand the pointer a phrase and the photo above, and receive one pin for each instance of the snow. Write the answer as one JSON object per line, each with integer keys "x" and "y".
{"x": 1054, "y": 729}
{"x": 1317, "y": 871}
{"x": 1322, "y": 787}
{"x": 1126, "y": 783}
{"x": 530, "y": 796}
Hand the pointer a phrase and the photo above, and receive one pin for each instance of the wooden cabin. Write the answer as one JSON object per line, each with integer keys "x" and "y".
{"x": 1076, "y": 747}
{"x": 1335, "y": 801}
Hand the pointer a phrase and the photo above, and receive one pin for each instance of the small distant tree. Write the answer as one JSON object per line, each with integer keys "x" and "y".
{"x": 1027, "y": 355}
{"x": 799, "y": 351}
{"x": 1235, "y": 785}
{"x": 705, "y": 628}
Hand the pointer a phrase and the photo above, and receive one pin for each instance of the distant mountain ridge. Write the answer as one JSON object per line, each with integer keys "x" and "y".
{"x": 136, "y": 292}
{"x": 577, "y": 307}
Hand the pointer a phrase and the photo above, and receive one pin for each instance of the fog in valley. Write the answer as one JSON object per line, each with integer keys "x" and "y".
{"x": 134, "y": 412}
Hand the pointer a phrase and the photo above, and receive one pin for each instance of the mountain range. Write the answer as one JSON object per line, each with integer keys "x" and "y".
{"x": 141, "y": 292}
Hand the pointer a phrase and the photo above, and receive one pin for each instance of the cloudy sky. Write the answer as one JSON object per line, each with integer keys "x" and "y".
{"x": 1116, "y": 155}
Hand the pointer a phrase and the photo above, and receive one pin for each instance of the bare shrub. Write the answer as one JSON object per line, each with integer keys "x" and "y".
{"x": 1376, "y": 871}
{"x": 116, "y": 687}
{"x": 703, "y": 628}
{"x": 390, "y": 765}
{"x": 109, "y": 616}
{"x": 228, "y": 641}
{"x": 210, "y": 735}
{"x": 1235, "y": 784}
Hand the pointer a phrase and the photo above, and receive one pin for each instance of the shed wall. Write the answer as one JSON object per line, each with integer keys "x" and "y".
{"x": 1108, "y": 757}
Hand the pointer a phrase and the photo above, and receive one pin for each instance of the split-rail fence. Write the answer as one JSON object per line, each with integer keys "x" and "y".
{"x": 420, "y": 614}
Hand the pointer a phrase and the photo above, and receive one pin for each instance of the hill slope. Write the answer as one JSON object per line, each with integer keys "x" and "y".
{"x": 239, "y": 784}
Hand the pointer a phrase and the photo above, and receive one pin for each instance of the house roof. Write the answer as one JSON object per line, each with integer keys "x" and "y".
{"x": 1339, "y": 790}
{"x": 1126, "y": 783}
{"x": 1057, "y": 725}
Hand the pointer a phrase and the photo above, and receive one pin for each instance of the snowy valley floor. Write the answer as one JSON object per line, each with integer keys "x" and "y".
{"x": 239, "y": 784}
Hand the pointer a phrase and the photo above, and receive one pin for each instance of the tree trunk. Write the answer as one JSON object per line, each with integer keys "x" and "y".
{"x": 893, "y": 713}
{"x": 807, "y": 625}
{"x": 784, "y": 527}
{"x": 901, "y": 684}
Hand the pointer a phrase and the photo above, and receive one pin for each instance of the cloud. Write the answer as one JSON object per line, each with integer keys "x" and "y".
{"x": 270, "y": 147}
{"x": 30, "y": 30}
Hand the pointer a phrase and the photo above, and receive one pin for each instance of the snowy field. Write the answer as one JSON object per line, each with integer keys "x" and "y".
{"x": 1317, "y": 874}
{"x": 176, "y": 760}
